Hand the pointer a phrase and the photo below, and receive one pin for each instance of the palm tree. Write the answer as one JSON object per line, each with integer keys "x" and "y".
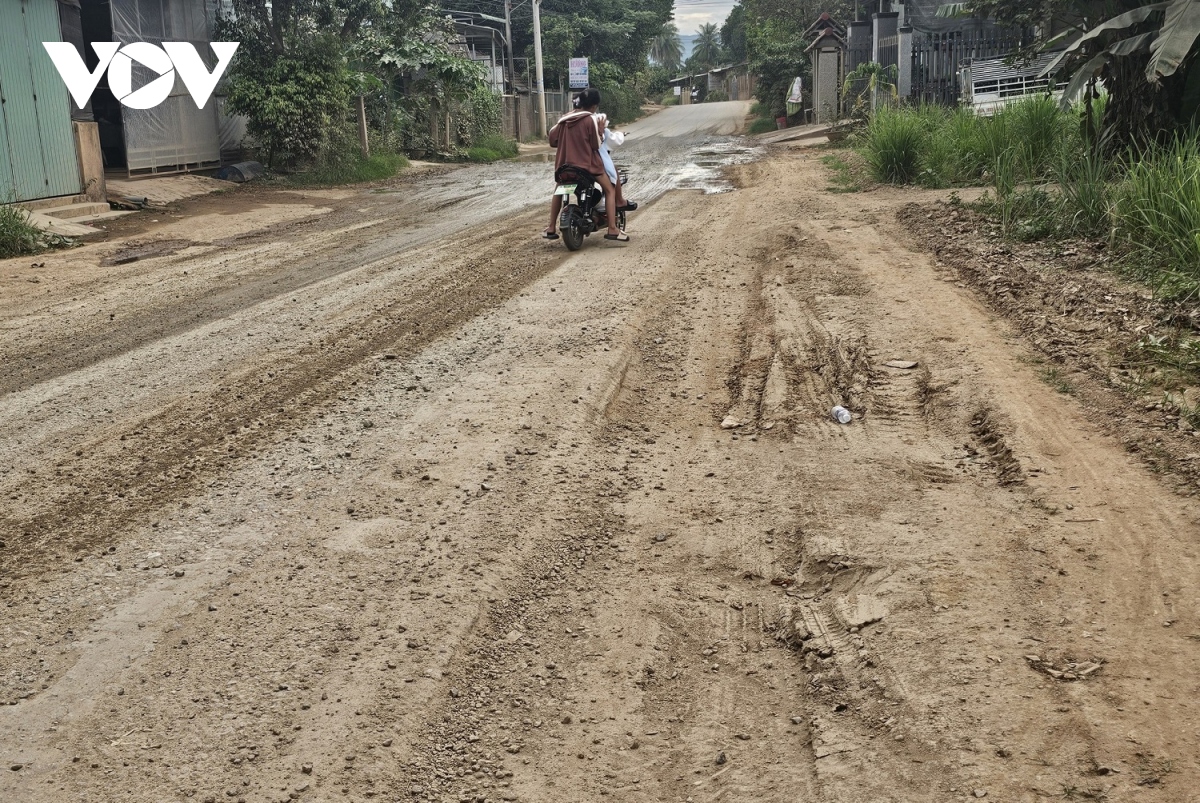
{"x": 666, "y": 49}
{"x": 707, "y": 48}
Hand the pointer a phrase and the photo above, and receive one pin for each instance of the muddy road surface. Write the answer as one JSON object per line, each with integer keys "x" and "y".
{"x": 321, "y": 496}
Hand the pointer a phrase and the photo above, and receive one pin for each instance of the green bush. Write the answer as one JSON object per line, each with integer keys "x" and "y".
{"x": 1039, "y": 126}
{"x": 17, "y": 235}
{"x": 1157, "y": 214}
{"x": 293, "y": 102}
{"x": 716, "y": 96}
{"x": 485, "y": 112}
{"x": 760, "y": 109}
{"x": 761, "y": 126}
{"x": 352, "y": 170}
{"x": 492, "y": 149}
{"x": 1087, "y": 197}
{"x": 670, "y": 99}
{"x": 894, "y": 142}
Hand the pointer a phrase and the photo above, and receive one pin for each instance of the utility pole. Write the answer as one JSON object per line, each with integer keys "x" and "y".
{"x": 512, "y": 69}
{"x": 537, "y": 58}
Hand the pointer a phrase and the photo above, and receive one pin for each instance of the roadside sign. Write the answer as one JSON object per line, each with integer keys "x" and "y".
{"x": 678, "y": 90}
{"x": 578, "y": 73}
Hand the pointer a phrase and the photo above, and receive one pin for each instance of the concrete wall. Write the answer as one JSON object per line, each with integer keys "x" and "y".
{"x": 91, "y": 161}
{"x": 825, "y": 85}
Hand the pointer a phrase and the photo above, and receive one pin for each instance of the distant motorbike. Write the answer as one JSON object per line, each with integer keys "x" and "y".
{"x": 586, "y": 213}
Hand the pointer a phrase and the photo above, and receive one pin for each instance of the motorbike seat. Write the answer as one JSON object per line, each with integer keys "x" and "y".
{"x": 570, "y": 174}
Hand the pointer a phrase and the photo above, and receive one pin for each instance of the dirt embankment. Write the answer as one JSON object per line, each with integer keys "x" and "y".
{"x": 1105, "y": 340}
{"x": 530, "y": 527}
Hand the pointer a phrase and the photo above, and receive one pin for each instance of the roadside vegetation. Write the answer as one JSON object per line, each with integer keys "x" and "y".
{"x": 1047, "y": 179}
{"x": 19, "y": 237}
{"x": 763, "y": 121}
{"x": 303, "y": 69}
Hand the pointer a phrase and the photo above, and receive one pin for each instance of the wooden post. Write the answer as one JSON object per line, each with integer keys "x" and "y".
{"x": 362, "y": 127}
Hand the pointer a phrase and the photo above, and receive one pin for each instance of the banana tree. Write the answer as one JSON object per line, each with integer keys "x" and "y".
{"x": 1144, "y": 57}
{"x": 875, "y": 75}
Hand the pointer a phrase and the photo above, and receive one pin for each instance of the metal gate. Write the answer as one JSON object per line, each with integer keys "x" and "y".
{"x": 37, "y": 141}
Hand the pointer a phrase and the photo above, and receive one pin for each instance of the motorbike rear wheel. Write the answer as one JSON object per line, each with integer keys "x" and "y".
{"x": 572, "y": 228}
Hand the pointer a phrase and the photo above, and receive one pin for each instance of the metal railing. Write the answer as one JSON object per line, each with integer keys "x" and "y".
{"x": 937, "y": 57}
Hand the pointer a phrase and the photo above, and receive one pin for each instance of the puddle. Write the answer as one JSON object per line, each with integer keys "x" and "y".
{"x": 535, "y": 157}
{"x": 704, "y": 166}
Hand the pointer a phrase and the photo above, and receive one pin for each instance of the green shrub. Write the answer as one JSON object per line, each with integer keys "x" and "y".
{"x": 485, "y": 113}
{"x": 492, "y": 148}
{"x": 1086, "y": 199}
{"x": 894, "y": 141}
{"x": 17, "y": 235}
{"x": 761, "y": 126}
{"x": 760, "y": 109}
{"x": 478, "y": 153}
{"x": 1039, "y": 126}
{"x": 1157, "y": 214}
{"x": 293, "y": 102}
{"x": 353, "y": 170}
{"x": 716, "y": 96}
{"x": 670, "y": 99}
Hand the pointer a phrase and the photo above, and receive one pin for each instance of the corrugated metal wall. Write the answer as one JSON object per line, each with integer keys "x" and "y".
{"x": 174, "y": 135}
{"x": 37, "y": 142}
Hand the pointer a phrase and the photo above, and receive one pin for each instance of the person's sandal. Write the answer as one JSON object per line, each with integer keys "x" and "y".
{"x": 621, "y": 238}
{"x": 549, "y": 235}
{"x": 628, "y": 207}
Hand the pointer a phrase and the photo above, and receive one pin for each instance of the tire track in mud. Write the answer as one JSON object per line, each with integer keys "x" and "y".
{"x": 345, "y": 243}
{"x": 120, "y": 478}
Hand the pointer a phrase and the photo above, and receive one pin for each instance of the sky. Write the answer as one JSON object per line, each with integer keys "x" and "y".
{"x": 691, "y": 14}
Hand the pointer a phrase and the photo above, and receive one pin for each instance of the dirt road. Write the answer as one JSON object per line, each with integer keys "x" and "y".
{"x": 398, "y": 510}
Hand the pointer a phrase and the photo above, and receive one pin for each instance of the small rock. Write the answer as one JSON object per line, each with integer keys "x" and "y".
{"x": 797, "y": 721}
{"x": 416, "y": 789}
{"x": 386, "y": 742}
{"x": 306, "y": 769}
{"x": 980, "y": 793}
{"x": 16, "y": 767}
{"x": 731, "y": 423}
{"x": 721, "y": 758}
{"x": 179, "y": 572}
{"x": 212, "y": 608}
{"x": 660, "y": 537}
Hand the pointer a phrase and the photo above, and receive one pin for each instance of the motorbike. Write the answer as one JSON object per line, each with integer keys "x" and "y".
{"x": 586, "y": 214}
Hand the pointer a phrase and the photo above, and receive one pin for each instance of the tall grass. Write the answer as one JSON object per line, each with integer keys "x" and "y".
{"x": 894, "y": 144}
{"x": 17, "y": 235}
{"x": 1049, "y": 175}
{"x": 1157, "y": 213}
{"x": 354, "y": 169}
{"x": 492, "y": 148}
{"x": 955, "y": 147}
{"x": 1038, "y": 125}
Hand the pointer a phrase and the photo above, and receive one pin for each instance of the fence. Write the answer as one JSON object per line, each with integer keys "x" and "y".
{"x": 889, "y": 50}
{"x": 937, "y": 57}
{"x": 520, "y": 113}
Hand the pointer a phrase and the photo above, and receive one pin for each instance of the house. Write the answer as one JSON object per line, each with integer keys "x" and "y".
{"x": 927, "y": 47}
{"x": 174, "y": 136}
{"x": 43, "y": 151}
{"x": 51, "y": 148}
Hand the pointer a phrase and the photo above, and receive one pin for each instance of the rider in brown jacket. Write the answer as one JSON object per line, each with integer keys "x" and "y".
{"x": 577, "y": 138}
